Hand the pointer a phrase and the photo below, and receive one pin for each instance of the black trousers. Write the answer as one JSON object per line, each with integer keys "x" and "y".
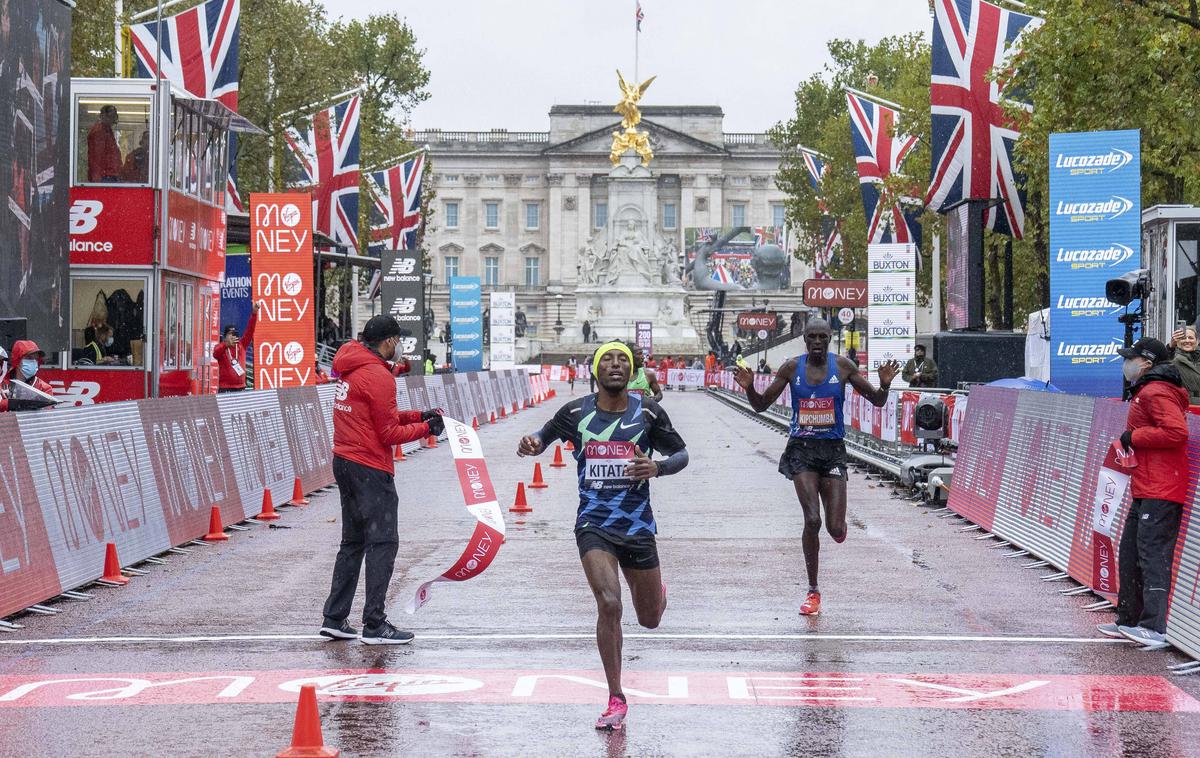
{"x": 369, "y": 530}
{"x": 1144, "y": 561}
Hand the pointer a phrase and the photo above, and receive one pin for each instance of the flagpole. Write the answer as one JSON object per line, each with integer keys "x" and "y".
{"x": 393, "y": 161}
{"x": 314, "y": 104}
{"x": 160, "y": 8}
{"x": 637, "y": 38}
{"x": 876, "y": 98}
{"x": 158, "y": 44}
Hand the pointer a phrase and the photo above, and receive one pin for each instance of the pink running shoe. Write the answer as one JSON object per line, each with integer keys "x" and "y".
{"x": 614, "y": 717}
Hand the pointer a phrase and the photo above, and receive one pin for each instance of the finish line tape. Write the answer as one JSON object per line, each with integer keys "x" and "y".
{"x": 479, "y": 497}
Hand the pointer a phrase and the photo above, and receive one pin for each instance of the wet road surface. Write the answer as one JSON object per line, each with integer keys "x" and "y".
{"x": 929, "y": 642}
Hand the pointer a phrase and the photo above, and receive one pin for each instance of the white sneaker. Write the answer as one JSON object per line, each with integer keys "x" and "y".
{"x": 1110, "y": 630}
{"x": 1147, "y": 638}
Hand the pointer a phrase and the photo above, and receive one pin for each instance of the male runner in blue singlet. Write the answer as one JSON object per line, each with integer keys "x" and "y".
{"x": 614, "y": 433}
{"x": 815, "y": 457}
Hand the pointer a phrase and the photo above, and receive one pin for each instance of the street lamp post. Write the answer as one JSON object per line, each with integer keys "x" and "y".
{"x": 558, "y": 324}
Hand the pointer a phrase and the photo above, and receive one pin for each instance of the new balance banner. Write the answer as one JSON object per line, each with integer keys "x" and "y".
{"x": 466, "y": 323}
{"x": 282, "y": 263}
{"x": 1095, "y": 235}
{"x": 403, "y": 291}
{"x": 480, "y": 499}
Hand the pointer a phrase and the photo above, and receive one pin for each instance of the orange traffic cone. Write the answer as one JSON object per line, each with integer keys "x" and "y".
{"x": 112, "y": 567}
{"x": 504, "y": 413}
{"x": 570, "y": 446}
{"x": 399, "y": 456}
{"x": 558, "y": 459}
{"x": 538, "y": 483}
{"x": 432, "y": 442}
{"x": 519, "y": 504}
{"x": 298, "y": 497}
{"x": 216, "y": 532}
{"x": 268, "y": 508}
{"x": 307, "y": 741}
{"x": 493, "y": 420}
{"x": 475, "y": 423}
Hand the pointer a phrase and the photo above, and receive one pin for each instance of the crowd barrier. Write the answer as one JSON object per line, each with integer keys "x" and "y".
{"x": 1027, "y": 470}
{"x": 145, "y": 474}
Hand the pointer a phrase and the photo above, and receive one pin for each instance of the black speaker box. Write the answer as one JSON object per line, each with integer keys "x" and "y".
{"x": 11, "y": 330}
{"x": 975, "y": 356}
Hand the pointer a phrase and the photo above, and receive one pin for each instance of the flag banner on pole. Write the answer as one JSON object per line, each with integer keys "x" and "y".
{"x": 1111, "y": 485}
{"x": 479, "y": 497}
{"x": 396, "y": 204}
{"x": 325, "y": 162}
{"x": 640, "y": 16}
{"x": 199, "y": 56}
{"x": 972, "y": 136}
{"x": 880, "y": 150}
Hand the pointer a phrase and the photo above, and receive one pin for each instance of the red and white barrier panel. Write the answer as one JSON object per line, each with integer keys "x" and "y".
{"x": 1031, "y": 469}
{"x": 146, "y": 474}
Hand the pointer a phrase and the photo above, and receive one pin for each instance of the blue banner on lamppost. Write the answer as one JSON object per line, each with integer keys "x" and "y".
{"x": 466, "y": 324}
{"x": 1095, "y": 235}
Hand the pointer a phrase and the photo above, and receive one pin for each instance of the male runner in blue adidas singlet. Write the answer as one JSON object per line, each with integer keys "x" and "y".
{"x": 614, "y": 433}
{"x": 815, "y": 457}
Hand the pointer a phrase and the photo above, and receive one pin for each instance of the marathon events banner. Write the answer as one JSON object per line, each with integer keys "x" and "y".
{"x": 466, "y": 323}
{"x": 402, "y": 287}
{"x": 502, "y": 330}
{"x": 891, "y": 304}
{"x": 1095, "y": 235}
{"x": 238, "y": 288}
{"x": 282, "y": 262}
{"x": 145, "y": 475}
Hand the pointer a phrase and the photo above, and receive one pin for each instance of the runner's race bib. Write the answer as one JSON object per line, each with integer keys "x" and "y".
{"x": 815, "y": 411}
{"x": 605, "y": 462}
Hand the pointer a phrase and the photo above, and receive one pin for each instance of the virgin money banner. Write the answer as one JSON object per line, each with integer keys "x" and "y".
{"x": 686, "y": 377}
{"x": 281, "y": 256}
{"x": 479, "y": 497}
{"x": 1110, "y": 491}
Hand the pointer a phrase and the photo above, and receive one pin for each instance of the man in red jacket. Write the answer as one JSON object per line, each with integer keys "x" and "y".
{"x": 367, "y": 425}
{"x": 1157, "y": 432}
{"x": 230, "y": 354}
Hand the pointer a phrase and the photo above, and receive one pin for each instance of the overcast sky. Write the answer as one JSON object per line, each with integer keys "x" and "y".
{"x": 503, "y": 64}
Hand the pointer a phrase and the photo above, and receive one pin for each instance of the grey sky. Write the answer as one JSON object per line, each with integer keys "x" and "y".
{"x": 503, "y": 64}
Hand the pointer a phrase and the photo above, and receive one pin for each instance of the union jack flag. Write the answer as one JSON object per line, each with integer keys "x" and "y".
{"x": 829, "y": 251}
{"x": 816, "y": 168}
{"x": 396, "y": 193}
{"x": 721, "y": 274}
{"x": 880, "y": 151}
{"x": 972, "y": 136}
{"x": 706, "y": 235}
{"x": 200, "y": 56}
{"x": 640, "y": 16}
{"x": 764, "y": 235}
{"x": 325, "y": 154}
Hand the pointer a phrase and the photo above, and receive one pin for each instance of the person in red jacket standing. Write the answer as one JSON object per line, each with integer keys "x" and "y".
{"x": 367, "y": 425}
{"x": 230, "y": 354}
{"x": 1157, "y": 432}
{"x": 26, "y": 362}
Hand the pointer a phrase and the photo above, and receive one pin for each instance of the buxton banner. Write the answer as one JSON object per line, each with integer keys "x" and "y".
{"x": 282, "y": 260}
{"x": 1095, "y": 235}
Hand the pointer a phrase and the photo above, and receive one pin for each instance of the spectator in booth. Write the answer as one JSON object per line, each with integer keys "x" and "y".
{"x": 103, "y": 154}
{"x": 1187, "y": 360}
{"x": 26, "y": 362}
{"x": 763, "y": 368}
{"x": 1157, "y": 433}
{"x": 322, "y": 377}
{"x": 367, "y": 426}
{"x": 230, "y": 354}
{"x": 137, "y": 164}
{"x": 96, "y": 350}
{"x": 920, "y": 371}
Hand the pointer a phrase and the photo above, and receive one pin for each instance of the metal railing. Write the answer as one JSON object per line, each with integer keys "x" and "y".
{"x": 432, "y": 136}
{"x": 747, "y": 138}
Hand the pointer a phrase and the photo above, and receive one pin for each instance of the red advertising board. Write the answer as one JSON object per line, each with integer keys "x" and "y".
{"x": 835, "y": 293}
{"x": 281, "y": 256}
{"x": 195, "y": 236}
{"x": 752, "y": 322}
{"x": 79, "y": 387}
{"x": 112, "y": 226}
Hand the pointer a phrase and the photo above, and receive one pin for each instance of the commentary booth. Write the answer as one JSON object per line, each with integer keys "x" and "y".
{"x": 147, "y": 224}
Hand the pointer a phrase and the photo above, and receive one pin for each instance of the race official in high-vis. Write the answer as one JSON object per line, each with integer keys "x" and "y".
{"x": 1157, "y": 433}
{"x": 367, "y": 425}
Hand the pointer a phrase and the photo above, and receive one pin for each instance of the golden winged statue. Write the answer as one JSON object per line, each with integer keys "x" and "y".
{"x": 630, "y": 138}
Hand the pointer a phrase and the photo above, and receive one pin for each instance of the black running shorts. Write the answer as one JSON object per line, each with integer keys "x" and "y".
{"x": 824, "y": 457}
{"x": 637, "y": 552}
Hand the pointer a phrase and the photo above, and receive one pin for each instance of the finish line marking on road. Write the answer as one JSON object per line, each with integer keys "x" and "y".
{"x": 566, "y": 687}
{"x": 587, "y": 637}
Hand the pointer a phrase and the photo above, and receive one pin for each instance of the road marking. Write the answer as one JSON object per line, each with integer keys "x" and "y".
{"x": 589, "y": 637}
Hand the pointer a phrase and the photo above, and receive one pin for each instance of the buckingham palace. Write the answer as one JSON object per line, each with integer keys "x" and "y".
{"x": 517, "y": 208}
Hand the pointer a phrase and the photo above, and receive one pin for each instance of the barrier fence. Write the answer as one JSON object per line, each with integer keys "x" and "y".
{"x": 1027, "y": 470}
{"x": 145, "y": 474}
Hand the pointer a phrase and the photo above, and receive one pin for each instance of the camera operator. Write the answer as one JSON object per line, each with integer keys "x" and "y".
{"x": 367, "y": 425}
{"x": 1157, "y": 432}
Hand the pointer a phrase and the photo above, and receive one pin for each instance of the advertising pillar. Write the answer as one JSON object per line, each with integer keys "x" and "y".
{"x": 891, "y": 303}
{"x": 402, "y": 288}
{"x": 644, "y": 336}
{"x": 1095, "y": 235}
{"x": 466, "y": 323}
{"x": 282, "y": 264}
{"x": 504, "y": 342}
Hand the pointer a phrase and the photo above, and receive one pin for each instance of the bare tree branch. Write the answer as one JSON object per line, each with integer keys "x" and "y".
{"x": 1162, "y": 11}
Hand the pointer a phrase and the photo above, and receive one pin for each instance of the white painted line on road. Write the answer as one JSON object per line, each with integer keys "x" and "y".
{"x": 503, "y": 637}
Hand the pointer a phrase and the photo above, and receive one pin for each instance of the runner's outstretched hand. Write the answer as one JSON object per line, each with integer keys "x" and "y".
{"x": 529, "y": 446}
{"x": 888, "y": 371}
{"x": 642, "y": 467}
{"x": 744, "y": 377}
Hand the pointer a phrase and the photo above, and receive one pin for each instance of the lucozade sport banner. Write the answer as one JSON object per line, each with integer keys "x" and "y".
{"x": 281, "y": 257}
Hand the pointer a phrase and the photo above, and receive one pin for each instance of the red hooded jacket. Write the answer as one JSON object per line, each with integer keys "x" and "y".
{"x": 367, "y": 423}
{"x": 1158, "y": 419}
{"x": 22, "y": 348}
{"x": 228, "y": 358}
